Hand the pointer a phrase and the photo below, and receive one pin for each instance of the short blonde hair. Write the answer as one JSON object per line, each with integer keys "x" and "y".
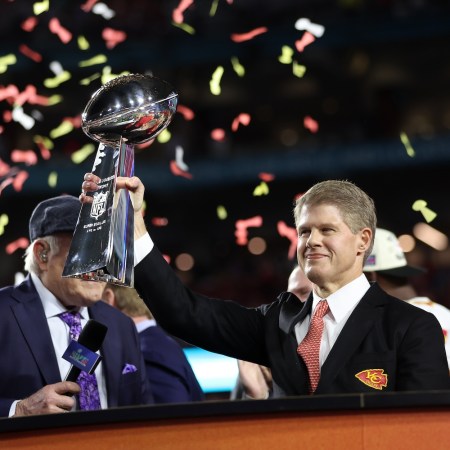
{"x": 129, "y": 302}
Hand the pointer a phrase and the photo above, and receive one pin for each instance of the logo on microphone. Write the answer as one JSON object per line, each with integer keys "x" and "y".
{"x": 81, "y": 357}
{"x": 78, "y": 356}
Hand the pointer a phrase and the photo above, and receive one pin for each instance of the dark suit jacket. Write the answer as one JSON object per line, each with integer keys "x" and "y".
{"x": 382, "y": 333}
{"x": 171, "y": 377}
{"x": 28, "y": 360}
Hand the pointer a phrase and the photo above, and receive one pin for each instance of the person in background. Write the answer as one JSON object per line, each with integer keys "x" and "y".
{"x": 34, "y": 333}
{"x": 171, "y": 377}
{"x": 348, "y": 337}
{"x": 255, "y": 381}
{"x": 387, "y": 265}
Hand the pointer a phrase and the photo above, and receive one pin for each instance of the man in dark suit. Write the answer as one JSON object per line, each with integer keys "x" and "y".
{"x": 359, "y": 338}
{"x": 33, "y": 337}
{"x": 171, "y": 377}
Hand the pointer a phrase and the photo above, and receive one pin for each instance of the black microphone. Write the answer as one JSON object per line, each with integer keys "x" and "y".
{"x": 91, "y": 338}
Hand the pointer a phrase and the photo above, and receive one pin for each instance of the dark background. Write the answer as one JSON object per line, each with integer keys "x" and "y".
{"x": 381, "y": 68}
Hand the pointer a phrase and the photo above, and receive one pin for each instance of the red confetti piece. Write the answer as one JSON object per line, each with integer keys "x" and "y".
{"x": 242, "y": 226}
{"x": 249, "y": 35}
{"x": 177, "y": 14}
{"x": 243, "y": 119}
{"x": 30, "y": 95}
{"x": 167, "y": 258}
{"x": 35, "y": 56}
{"x": 4, "y": 168}
{"x": 45, "y": 151}
{"x": 306, "y": 39}
{"x": 266, "y": 177}
{"x": 29, "y": 24}
{"x": 86, "y": 7}
{"x": 113, "y": 37}
{"x": 218, "y": 134}
{"x": 186, "y": 112}
{"x": 160, "y": 221}
{"x": 24, "y": 156}
{"x": 310, "y": 124}
{"x": 7, "y": 116}
{"x": 22, "y": 242}
{"x": 75, "y": 121}
{"x": 178, "y": 172}
{"x": 19, "y": 180}
{"x": 9, "y": 93}
{"x": 290, "y": 233}
{"x": 55, "y": 27}
{"x": 2, "y": 129}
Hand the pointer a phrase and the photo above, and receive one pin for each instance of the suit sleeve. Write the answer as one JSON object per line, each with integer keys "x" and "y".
{"x": 422, "y": 363}
{"x": 220, "y": 326}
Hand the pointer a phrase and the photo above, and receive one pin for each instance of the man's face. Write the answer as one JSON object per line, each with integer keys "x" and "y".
{"x": 69, "y": 291}
{"x": 329, "y": 253}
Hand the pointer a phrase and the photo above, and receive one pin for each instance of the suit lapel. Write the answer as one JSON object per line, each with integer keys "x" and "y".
{"x": 358, "y": 325}
{"x": 31, "y": 319}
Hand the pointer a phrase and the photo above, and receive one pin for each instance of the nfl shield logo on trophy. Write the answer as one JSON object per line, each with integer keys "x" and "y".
{"x": 99, "y": 204}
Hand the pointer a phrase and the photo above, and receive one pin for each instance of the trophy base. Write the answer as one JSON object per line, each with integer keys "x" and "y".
{"x": 98, "y": 275}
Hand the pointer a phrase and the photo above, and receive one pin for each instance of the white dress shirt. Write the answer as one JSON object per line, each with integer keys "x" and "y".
{"x": 341, "y": 304}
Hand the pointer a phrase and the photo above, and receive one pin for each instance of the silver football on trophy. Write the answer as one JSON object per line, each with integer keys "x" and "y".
{"x": 135, "y": 108}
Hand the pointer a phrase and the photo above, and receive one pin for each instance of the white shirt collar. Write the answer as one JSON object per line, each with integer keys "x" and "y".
{"x": 141, "y": 326}
{"x": 346, "y": 298}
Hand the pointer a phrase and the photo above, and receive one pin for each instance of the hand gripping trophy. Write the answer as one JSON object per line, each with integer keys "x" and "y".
{"x": 128, "y": 110}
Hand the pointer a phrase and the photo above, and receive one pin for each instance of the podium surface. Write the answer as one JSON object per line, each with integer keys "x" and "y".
{"x": 365, "y": 421}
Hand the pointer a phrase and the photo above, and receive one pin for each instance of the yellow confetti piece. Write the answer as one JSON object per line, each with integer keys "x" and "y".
{"x": 6, "y": 61}
{"x": 214, "y": 84}
{"x": 184, "y": 27}
{"x": 298, "y": 70}
{"x": 54, "y": 100}
{"x": 80, "y": 155}
{"x": 65, "y": 127}
{"x": 98, "y": 59}
{"x": 222, "y": 212}
{"x": 83, "y": 43}
{"x": 286, "y": 55}
{"x": 51, "y": 83}
{"x": 261, "y": 189}
{"x": 40, "y": 7}
{"x": 48, "y": 143}
{"x": 237, "y": 66}
{"x": 108, "y": 76}
{"x": 164, "y": 136}
{"x": 53, "y": 179}
{"x": 421, "y": 206}
{"x": 89, "y": 80}
{"x": 213, "y": 9}
{"x": 405, "y": 141}
{"x": 4, "y": 220}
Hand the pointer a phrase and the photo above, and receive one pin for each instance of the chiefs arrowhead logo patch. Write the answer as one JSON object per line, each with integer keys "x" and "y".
{"x": 374, "y": 378}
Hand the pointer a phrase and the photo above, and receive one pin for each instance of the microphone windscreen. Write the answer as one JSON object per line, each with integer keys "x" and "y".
{"x": 92, "y": 335}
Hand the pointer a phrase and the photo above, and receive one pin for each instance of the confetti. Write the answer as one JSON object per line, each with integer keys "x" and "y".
{"x": 40, "y": 7}
{"x": 290, "y": 233}
{"x": 310, "y": 124}
{"x": 160, "y": 221}
{"x": 185, "y": 27}
{"x": 267, "y": 177}
{"x": 56, "y": 67}
{"x": 103, "y": 10}
{"x": 108, "y": 76}
{"x": 179, "y": 154}
{"x": 286, "y": 55}
{"x": 405, "y": 141}
{"x": 55, "y": 27}
{"x": 88, "y": 5}
{"x": 178, "y": 12}
{"x": 51, "y": 83}
{"x": 44, "y": 144}
{"x": 249, "y": 35}
{"x": 19, "y": 116}
{"x": 213, "y": 9}
{"x": 83, "y": 43}
{"x": 237, "y": 66}
{"x": 89, "y": 80}
{"x": 80, "y": 155}
{"x": 421, "y": 206}
{"x": 65, "y": 127}
{"x": 22, "y": 242}
{"x": 242, "y": 226}
{"x": 97, "y": 59}
{"x": 222, "y": 213}
{"x": 306, "y": 39}
{"x": 19, "y": 180}
{"x": 186, "y": 112}
{"x": 298, "y": 70}
{"x": 4, "y": 220}
{"x": 29, "y": 24}
{"x": 25, "y": 50}
{"x": 30, "y": 95}
{"x": 178, "y": 172}
{"x": 6, "y": 61}
{"x": 243, "y": 119}
{"x": 214, "y": 84}
{"x": 24, "y": 156}
{"x": 8, "y": 92}
{"x": 218, "y": 134}
{"x": 261, "y": 189}
{"x": 113, "y": 37}
{"x": 52, "y": 179}
{"x": 4, "y": 168}
{"x": 164, "y": 136}
{"x": 305, "y": 24}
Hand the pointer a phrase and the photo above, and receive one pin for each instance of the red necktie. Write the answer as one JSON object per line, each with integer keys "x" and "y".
{"x": 310, "y": 346}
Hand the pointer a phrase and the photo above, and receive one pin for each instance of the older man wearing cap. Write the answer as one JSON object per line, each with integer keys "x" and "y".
{"x": 38, "y": 317}
{"x": 387, "y": 265}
